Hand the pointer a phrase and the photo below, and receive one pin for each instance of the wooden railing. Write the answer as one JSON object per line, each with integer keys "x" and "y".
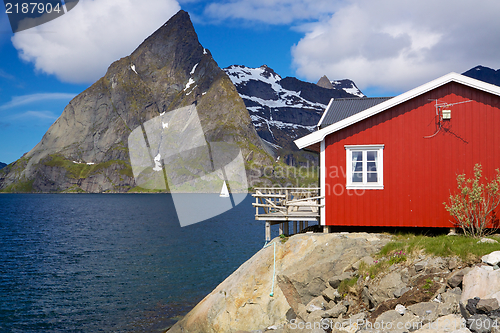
{"x": 286, "y": 200}
{"x": 285, "y": 204}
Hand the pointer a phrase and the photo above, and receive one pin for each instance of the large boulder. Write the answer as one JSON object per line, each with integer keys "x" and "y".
{"x": 482, "y": 283}
{"x": 384, "y": 289}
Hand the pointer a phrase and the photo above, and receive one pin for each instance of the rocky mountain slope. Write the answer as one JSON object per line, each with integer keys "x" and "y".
{"x": 322, "y": 284}
{"x": 284, "y": 109}
{"x": 87, "y": 148}
{"x": 484, "y": 74}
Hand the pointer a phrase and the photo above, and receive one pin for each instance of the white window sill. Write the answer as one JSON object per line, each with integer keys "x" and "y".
{"x": 365, "y": 187}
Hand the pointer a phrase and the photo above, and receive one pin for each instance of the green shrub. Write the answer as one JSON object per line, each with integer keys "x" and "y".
{"x": 473, "y": 208}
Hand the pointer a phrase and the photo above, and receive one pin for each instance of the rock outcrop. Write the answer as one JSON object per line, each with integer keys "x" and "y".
{"x": 303, "y": 264}
{"x": 323, "y": 285}
{"x": 86, "y": 149}
{"x": 324, "y": 82}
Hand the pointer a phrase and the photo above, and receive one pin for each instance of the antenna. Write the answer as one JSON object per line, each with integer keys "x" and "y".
{"x": 439, "y": 113}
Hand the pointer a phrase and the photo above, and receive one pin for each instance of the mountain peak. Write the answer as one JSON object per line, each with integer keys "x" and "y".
{"x": 87, "y": 150}
{"x": 485, "y": 74}
{"x": 324, "y": 82}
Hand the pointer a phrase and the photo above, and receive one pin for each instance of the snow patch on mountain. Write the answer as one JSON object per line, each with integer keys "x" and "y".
{"x": 348, "y": 86}
{"x": 284, "y": 109}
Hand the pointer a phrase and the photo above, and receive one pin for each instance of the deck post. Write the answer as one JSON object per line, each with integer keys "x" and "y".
{"x": 268, "y": 231}
{"x": 326, "y": 229}
{"x": 306, "y": 224}
{"x": 301, "y": 226}
{"x": 286, "y": 229}
{"x": 281, "y": 229}
{"x": 295, "y": 227}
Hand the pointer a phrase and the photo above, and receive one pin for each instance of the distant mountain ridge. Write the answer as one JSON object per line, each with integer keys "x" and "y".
{"x": 284, "y": 109}
{"x": 2, "y": 165}
{"x": 484, "y": 74}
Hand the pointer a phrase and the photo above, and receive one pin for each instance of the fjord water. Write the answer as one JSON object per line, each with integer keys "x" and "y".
{"x": 112, "y": 262}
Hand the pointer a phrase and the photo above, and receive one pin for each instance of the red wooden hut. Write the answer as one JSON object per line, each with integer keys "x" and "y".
{"x": 394, "y": 161}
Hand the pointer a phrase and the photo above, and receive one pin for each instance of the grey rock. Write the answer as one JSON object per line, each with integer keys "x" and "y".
{"x": 455, "y": 279}
{"x": 389, "y": 316}
{"x": 446, "y": 324}
{"x": 491, "y": 259}
{"x": 426, "y": 311}
{"x": 331, "y": 294}
{"x": 358, "y": 316}
{"x": 290, "y": 315}
{"x": 436, "y": 265}
{"x": 367, "y": 298}
{"x": 487, "y": 305}
{"x": 419, "y": 266}
{"x": 336, "y": 280}
{"x": 453, "y": 263}
{"x": 316, "y": 304}
{"x": 480, "y": 323}
{"x": 405, "y": 275}
{"x": 463, "y": 310}
{"x": 450, "y": 302}
{"x": 482, "y": 283}
{"x": 472, "y": 304}
{"x": 367, "y": 260}
{"x": 336, "y": 311}
{"x": 385, "y": 288}
{"x": 399, "y": 292}
{"x": 392, "y": 319}
{"x": 487, "y": 240}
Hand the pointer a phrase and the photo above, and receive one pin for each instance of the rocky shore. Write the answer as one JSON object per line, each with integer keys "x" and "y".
{"x": 333, "y": 283}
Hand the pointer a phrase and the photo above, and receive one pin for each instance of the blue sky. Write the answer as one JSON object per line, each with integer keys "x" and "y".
{"x": 386, "y": 47}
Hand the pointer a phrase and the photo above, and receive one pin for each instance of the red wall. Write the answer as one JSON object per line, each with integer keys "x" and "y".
{"x": 419, "y": 173}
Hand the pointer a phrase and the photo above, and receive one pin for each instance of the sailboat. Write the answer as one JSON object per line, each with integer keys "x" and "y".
{"x": 224, "y": 193}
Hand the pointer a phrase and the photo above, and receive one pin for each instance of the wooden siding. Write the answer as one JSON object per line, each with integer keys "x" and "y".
{"x": 419, "y": 173}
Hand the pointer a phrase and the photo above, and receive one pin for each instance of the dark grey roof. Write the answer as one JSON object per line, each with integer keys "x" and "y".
{"x": 343, "y": 108}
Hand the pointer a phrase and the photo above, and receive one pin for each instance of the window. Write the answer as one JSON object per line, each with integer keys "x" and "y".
{"x": 365, "y": 167}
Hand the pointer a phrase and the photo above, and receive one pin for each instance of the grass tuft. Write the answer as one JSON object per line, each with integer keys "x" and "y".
{"x": 466, "y": 248}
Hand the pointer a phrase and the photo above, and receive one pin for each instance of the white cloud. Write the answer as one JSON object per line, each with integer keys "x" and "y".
{"x": 80, "y": 45}
{"x": 35, "y": 98}
{"x": 399, "y": 45}
{"x": 40, "y": 115}
{"x": 271, "y": 11}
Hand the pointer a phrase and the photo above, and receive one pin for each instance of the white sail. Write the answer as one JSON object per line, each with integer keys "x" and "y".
{"x": 224, "y": 192}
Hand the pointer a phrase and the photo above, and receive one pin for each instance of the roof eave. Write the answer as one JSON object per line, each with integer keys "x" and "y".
{"x": 320, "y": 135}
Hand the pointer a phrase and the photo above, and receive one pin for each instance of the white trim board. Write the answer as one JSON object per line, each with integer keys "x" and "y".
{"x": 325, "y": 112}
{"x": 320, "y": 135}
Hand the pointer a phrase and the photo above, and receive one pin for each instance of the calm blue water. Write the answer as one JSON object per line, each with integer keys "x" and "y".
{"x": 112, "y": 262}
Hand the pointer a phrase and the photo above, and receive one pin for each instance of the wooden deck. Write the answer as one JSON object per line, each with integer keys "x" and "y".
{"x": 288, "y": 204}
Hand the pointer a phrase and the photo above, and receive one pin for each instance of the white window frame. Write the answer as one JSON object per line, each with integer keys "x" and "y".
{"x": 379, "y": 185}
